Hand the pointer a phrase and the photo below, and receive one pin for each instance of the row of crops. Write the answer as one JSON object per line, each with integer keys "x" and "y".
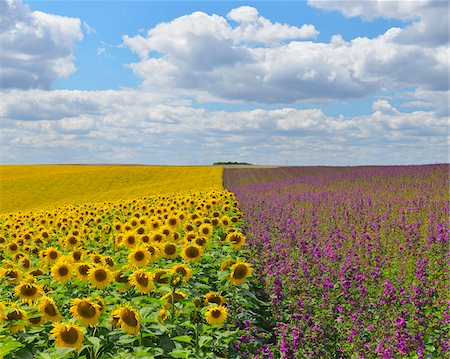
{"x": 295, "y": 262}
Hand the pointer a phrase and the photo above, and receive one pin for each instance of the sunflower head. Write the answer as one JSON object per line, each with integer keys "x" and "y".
{"x": 49, "y": 309}
{"x": 236, "y": 239}
{"x": 169, "y": 250}
{"x": 141, "y": 280}
{"x": 162, "y": 315}
{"x": 216, "y": 315}
{"x": 100, "y": 277}
{"x": 67, "y": 335}
{"x": 191, "y": 253}
{"x": 227, "y": 263}
{"x": 214, "y": 298}
{"x": 62, "y": 271}
{"x": 28, "y": 292}
{"x": 239, "y": 272}
{"x": 181, "y": 272}
{"x": 16, "y": 318}
{"x": 205, "y": 230}
{"x": 83, "y": 270}
{"x": 139, "y": 257}
{"x": 126, "y": 318}
{"x": 86, "y": 311}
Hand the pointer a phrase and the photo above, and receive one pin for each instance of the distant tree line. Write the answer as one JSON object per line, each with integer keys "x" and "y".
{"x": 230, "y": 163}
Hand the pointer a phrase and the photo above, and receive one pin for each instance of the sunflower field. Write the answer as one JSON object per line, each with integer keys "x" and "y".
{"x": 163, "y": 276}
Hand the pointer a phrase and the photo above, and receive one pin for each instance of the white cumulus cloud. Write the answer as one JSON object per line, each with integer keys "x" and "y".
{"x": 36, "y": 48}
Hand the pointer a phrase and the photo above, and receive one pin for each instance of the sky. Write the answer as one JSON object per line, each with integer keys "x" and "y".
{"x": 195, "y": 82}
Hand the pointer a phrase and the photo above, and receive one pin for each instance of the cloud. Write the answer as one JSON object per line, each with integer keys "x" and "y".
{"x": 135, "y": 126}
{"x": 266, "y": 62}
{"x": 36, "y": 48}
{"x": 429, "y": 19}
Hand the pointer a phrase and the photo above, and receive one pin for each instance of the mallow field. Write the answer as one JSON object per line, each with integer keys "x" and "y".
{"x": 211, "y": 262}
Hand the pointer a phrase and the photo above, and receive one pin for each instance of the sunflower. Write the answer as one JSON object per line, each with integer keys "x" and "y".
{"x": 25, "y": 262}
{"x": 157, "y": 237}
{"x": 36, "y": 319}
{"x": 12, "y": 275}
{"x": 191, "y": 253}
{"x": 67, "y": 335}
{"x": 161, "y": 276}
{"x": 139, "y": 257}
{"x": 100, "y": 277}
{"x": 52, "y": 255}
{"x": 126, "y": 318}
{"x": 13, "y": 248}
{"x": 130, "y": 239}
{"x": 205, "y": 230}
{"x": 101, "y": 303}
{"x": 83, "y": 270}
{"x": 213, "y": 297}
{"x": 182, "y": 272}
{"x": 174, "y": 297}
{"x": 216, "y": 315}
{"x": 239, "y": 272}
{"x": 225, "y": 221}
{"x": 226, "y": 264}
{"x": 141, "y": 280}
{"x": 162, "y": 315}
{"x": 61, "y": 272}
{"x": 189, "y": 236}
{"x": 28, "y": 292}
{"x": 48, "y": 308}
{"x": 76, "y": 255}
{"x": 154, "y": 251}
{"x": 169, "y": 250}
{"x": 109, "y": 262}
{"x": 236, "y": 239}
{"x": 15, "y": 314}
{"x": 86, "y": 311}
{"x": 173, "y": 221}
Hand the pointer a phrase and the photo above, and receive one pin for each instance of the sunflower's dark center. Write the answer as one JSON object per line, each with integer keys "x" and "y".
{"x": 240, "y": 271}
{"x": 159, "y": 278}
{"x": 192, "y": 252}
{"x": 170, "y": 249}
{"x": 69, "y": 336}
{"x": 15, "y": 315}
{"x": 142, "y": 279}
{"x": 129, "y": 318}
{"x": 86, "y": 310}
{"x": 76, "y": 256}
{"x": 83, "y": 269}
{"x": 28, "y": 290}
{"x": 100, "y": 275}
{"x": 139, "y": 256}
{"x": 216, "y": 313}
{"x": 50, "y": 310}
{"x": 63, "y": 271}
{"x": 53, "y": 255}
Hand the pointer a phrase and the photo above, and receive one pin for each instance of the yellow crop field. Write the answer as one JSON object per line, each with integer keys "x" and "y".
{"x": 24, "y": 187}
{"x": 155, "y": 277}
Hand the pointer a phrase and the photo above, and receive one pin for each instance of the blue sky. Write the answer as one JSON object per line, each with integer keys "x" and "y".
{"x": 305, "y": 83}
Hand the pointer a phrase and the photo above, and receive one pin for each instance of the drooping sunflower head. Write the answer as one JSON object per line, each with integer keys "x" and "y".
{"x": 67, "y": 335}
{"x": 12, "y": 275}
{"x": 236, "y": 239}
{"x": 182, "y": 272}
{"x": 139, "y": 257}
{"x": 61, "y": 272}
{"x": 100, "y": 277}
{"x": 216, "y": 315}
{"x": 127, "y": 318}
{"x": 154, "y": 251}
{"x": 49, "y": 309}
{"x": 239, "y": 272}
{"x": 141, "y": 280}
{"x": 16, "y": 318}
{"x": 83, "y": 270}
{"x": 86, "y": 311}
{"x": 36, "y": 319}
{"x": 173, "y": 297}
{"x": 161, "y": 276}
{"x": 28, "y": 292}
{"x": 214, "y": 297}
{"x": 227, "y": 263}
{"x": 191, "y": 253}
{"x": 162, "y": 315}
